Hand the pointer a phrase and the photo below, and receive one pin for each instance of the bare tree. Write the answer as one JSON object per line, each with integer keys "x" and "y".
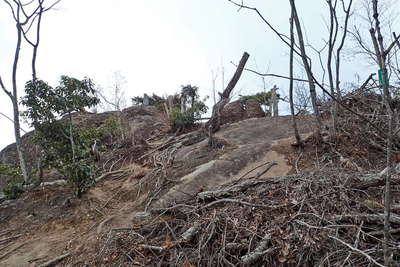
{"x": 27, "y": 16}
{"x": 114, "y": 97}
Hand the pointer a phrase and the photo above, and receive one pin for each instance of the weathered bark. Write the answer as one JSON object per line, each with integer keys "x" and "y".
{"x": 213, "y": 124}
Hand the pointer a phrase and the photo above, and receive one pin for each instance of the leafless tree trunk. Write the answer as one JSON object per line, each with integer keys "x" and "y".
{"x": 307, "y": 67}
{"x": 340, "y": 48}
{"x": 334, "y": 83}
{"x": 333, "y": 32}
{"x": 381, "y": 55}
{"x": 214, "y": 123}
{"x": 294, "y": 123}
{"x": 213, "y": 80}
{"x": 24, "y": 20}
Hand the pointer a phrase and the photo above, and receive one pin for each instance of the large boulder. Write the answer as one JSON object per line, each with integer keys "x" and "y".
{"x": 240, "y": 110}
{"x": 145, "y": 122}
{"x": 233, "y": 112}
{"x": 245, "y": 146}
{"x": 253, "y": 109}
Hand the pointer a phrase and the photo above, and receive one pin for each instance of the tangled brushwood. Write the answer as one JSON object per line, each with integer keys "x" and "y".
{"x": 370, "y": 125}
{"x": 327, "y": 218}
{"x": 361, "y": 129}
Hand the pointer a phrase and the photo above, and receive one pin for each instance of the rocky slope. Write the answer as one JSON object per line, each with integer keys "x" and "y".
{"x": 168, "y": 200}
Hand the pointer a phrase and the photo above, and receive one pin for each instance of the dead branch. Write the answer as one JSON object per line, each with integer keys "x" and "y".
{"x": 54, "y": 261}
{"x": 381, "y": 233}
{"x": 268, "y": 166}
{"x": 242, "y": 185}
{"x": 372, "y": 218}
{"x": 188, "y": 235}
{"x": 259, "y": 252}
{"x": 357, "y": 250}
{"x": 152, "y": 247}
{"x": 12, "y": 250}
{"x": 9, "y": 238}
{"x": 373, "y": 183}
{"x": 101, "y": 225}
{"x": 242, "y": 203}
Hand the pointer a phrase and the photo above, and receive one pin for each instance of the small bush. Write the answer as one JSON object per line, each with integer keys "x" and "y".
{"x": 184, "y": 120}
{"x": 80, "y": 175}
{"x": 181, "y": 119}
{"x": 13, "y": 190}
{"x": 9, "y": 171}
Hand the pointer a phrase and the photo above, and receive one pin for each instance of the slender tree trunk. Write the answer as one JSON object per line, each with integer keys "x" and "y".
{"x": 294, "y": 123}
{"x": 214, "y": 123}
{"x": 381, "y": 55}
{"x": 71, "y": 137}
{"x": 388, "y": 198}
{"x": 213, "y": 79}
{"x": 333, "y": 30}
{"x": 14, "y": 100}
{"x": 307, "y": 68}
{"x": 18, "y": 142}
{"x": 339, "y": 50}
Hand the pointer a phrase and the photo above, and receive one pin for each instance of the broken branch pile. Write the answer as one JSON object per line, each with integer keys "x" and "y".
{"x": 322, "y": 218}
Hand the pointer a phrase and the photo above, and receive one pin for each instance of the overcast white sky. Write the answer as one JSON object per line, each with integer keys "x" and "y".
{"x": 157, "y": 45}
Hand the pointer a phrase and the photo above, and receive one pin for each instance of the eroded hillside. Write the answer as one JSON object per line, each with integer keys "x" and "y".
{"x": 168, "y": 199}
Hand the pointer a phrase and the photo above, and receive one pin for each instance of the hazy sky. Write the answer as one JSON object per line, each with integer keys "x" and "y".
{"x": 158, "y": 45}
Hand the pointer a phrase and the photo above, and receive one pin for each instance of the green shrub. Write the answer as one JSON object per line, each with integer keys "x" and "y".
{"x": 80, "y": 175}
{"x": 13, "y": 190}
{"x": 263, "y": 98}
{"x": 9, "y": 170}
{"x": 184, "y": 120}
{"x": 181, "y": 119}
